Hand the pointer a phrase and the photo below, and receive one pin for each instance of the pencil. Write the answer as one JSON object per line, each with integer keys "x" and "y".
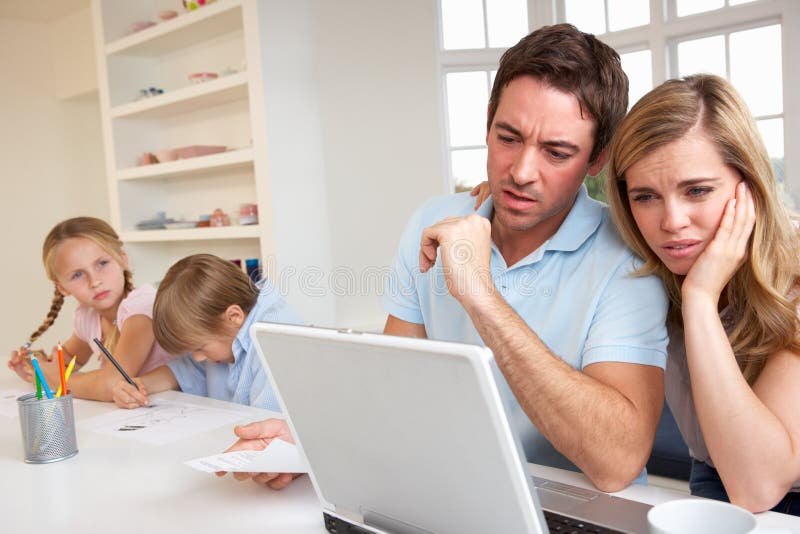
{"x": 63, "y": 386}
{"x": 66, "y": 376}
{"x": 38, "y": 386}
{"x": 39, "y": 373}
{"x": 128, "y": 379}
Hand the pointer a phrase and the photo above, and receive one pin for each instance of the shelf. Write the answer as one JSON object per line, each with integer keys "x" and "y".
{"x": 225, "y": 161}
{"x": 198, "y": 96}
{"x": 191, "y": 234}
{"x": 219, "y": 18}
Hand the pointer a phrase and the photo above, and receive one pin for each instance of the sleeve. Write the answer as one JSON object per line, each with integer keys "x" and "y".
{"x": 400, "y": 297}
{"x": 191, "y": 375}
{"x": 86, "y": 325}
{"x": 261, "y": 393}
{"x": 138, "y": 302}
{"x": 629, "y": 324}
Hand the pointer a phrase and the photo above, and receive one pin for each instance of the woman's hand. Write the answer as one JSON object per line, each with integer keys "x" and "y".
{"x": 482, "y": 191}
{"x": 717, "y": 264}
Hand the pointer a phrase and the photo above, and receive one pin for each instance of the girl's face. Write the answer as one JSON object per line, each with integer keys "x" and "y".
{"x": 89, "y": 273}
{"x": 677, "y": 195}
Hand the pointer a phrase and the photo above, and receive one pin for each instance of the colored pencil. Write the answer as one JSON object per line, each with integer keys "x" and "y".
{"x": 66, "y": 376}
{"x": 128, "y": 379}
{"x": 38, "y": 370}
{"x": 38, "y": 386}
{"x": 63, "y": 386}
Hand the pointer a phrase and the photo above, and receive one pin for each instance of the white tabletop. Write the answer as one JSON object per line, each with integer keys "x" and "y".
{"x": 129, "y": 486}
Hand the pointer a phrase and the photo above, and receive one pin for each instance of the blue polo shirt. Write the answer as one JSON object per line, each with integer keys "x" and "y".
{"x": 244, "y": 381}
{"x": 575, "y": 292}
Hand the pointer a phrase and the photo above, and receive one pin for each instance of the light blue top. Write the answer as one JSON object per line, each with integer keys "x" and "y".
{"x": 574, "y": 292}
{"x": 243, "y": 381}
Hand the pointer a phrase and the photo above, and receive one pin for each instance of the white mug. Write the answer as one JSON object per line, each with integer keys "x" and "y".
{"x": 700, "y": 516}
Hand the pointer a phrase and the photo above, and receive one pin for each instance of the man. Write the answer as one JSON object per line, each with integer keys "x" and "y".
{"x": 539, "y": 274}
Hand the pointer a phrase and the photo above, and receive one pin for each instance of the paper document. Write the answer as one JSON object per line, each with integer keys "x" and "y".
{"x": 278, "y": 457}
{"x": 163, "y": 422}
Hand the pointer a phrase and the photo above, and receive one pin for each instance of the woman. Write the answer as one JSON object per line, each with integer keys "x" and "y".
{"x": 692, "y": 191}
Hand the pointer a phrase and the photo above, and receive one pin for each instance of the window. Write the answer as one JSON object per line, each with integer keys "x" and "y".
{"x": 742, "y": 40}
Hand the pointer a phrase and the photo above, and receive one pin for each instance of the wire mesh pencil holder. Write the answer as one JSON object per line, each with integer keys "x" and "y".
{"x": 48, "y": 428}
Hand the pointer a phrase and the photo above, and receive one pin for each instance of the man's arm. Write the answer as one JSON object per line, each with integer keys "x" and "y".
{"x": 399, "y": 327}
{"x": 603, "y": 419}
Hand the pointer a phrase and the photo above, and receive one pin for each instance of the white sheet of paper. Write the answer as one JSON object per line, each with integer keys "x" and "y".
{"x": 164, "y": 422}
{"x": 278, "y": 457}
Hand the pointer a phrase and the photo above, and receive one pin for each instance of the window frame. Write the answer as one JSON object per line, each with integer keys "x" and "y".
{"x": 661, "y": 37}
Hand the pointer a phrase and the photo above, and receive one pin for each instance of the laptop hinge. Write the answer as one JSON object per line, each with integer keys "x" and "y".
{"x": 389, "y": 524}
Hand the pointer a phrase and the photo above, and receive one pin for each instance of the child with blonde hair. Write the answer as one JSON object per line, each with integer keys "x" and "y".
{"x": 205, "y": 305}
{"x": 84, "y": 258}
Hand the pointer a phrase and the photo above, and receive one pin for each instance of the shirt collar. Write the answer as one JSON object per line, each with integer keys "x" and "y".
{"x": 581, "y": 222}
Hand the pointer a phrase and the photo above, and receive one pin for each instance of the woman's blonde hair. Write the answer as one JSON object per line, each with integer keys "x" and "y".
{"x": 95, "y": 230}
{"x": 762, "y": 293}
{"x": 192, "y": 298}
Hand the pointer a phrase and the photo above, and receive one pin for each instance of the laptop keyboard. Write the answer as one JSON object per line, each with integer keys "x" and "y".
{"x": 562, "y": 524}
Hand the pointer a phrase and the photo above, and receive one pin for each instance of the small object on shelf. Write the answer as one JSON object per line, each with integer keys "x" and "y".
{"x": 140, "y": 25}
{"x": 253, "y": 269}
{"x": 147, "y": 159}
{"x": 200, "y": 77}
{"x": 204, "y": 221}
{"x": 198, "y": 150}
{"x": 237, "y": 262}
{"x": 179, "y": 225}
{"x": 150, "y": 91}
{"x": 191, "y": 5}
{"x": 248, "y": 214}
{"x": 219, "y": 218}
{"x": 158, "y": 223}
{"x": 167, "y": 14}
{"x": 162, "y": 156}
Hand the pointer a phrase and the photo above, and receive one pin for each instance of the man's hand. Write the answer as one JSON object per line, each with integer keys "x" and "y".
{"x": 255, "y": 437}
{"x": 465, "y": 245}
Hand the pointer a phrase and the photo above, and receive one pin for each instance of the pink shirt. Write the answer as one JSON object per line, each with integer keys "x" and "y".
{"x": 138, "y": 302}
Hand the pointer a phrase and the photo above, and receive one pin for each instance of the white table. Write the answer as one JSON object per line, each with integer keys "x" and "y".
{"x": 121, "y": 485}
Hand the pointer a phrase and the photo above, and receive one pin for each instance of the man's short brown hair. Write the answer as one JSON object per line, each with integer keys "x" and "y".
{"x": 573, "y": 62}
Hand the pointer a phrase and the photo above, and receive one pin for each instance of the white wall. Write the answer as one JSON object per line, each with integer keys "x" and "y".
{"x": 52, "y": 168}
{"x": 377, "y": 76}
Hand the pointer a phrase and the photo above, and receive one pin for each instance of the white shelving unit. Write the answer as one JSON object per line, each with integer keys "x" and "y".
{"x": 262, "y": 107}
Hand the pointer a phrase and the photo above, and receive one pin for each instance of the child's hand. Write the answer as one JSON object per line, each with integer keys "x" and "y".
{"x": 482, "y": 191}
{"x": 127, "y": 396}
{"x": 20, "y": 363}
{"x": 255, "y": 437}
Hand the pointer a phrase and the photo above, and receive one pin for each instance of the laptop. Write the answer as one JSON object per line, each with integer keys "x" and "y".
{"x": 410, "y": 436}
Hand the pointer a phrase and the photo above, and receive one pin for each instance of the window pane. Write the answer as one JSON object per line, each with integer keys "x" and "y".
{"x": 756, "y": 68}
{"x": 627, "y": 14}
{"x": 462, "y": 24}
{"x": 467, "y": 98}
{"x": 587, "y": 15}
{"x": 468, "y": 167}
{"x": 508, "y": 22}
{"x": 702, "y": 55}
{"x": 772, "y": 132}
{"x": 690, "y": 7}
{"x": 638, "y": 67}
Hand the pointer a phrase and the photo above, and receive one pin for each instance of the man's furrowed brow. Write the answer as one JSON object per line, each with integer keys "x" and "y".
{"x": 508, "y": 128}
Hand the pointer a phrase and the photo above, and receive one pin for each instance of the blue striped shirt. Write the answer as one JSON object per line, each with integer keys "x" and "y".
{"x": 244, "y": 381}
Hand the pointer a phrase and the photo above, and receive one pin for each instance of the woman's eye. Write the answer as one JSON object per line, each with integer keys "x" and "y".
{"x": 75, "y": 276}
{"x": 698, "y": 191}
{"x": 643, "y": 197}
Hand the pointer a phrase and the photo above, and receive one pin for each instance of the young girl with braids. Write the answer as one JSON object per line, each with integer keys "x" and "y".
{"x": 84, "y": 258}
